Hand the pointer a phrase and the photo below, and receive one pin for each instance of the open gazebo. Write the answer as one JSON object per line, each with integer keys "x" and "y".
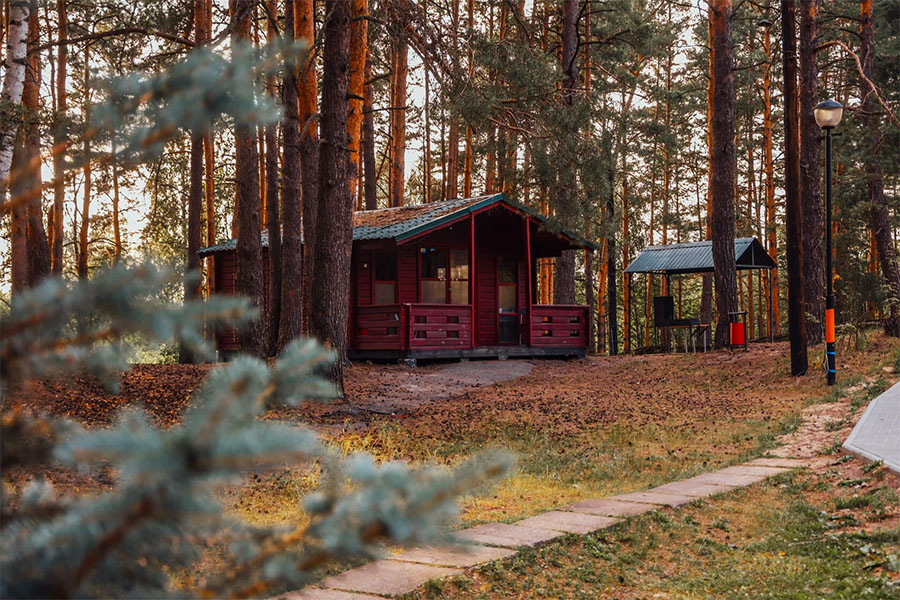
{"x": 692, "y": 258}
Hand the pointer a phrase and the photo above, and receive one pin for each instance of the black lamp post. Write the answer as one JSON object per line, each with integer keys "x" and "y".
{"x": 828, "y": 114}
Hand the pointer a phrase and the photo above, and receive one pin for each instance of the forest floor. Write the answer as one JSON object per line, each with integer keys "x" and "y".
{"x": 585, "y": 429}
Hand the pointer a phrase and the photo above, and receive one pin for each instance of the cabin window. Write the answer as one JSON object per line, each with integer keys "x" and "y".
{"x": 506, "y": 284}
{"x": 433, "y": 275}
{"x": 459, "y": 277}
{"x": 385, "y": 278}
{"x": 444, "y": 276}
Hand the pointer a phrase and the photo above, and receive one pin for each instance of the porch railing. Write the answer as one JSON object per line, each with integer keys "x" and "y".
{"x": 559, "y": 325}
{"x": 413, "y": 326}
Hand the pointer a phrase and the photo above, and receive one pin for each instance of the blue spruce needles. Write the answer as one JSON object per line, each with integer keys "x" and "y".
{"x": 164, "y": 509}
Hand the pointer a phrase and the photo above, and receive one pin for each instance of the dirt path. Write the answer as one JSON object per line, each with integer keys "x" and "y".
{"x": 395, "y": 390}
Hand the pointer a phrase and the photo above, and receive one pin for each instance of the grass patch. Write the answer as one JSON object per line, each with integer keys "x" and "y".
{"x": 775, "y": 540}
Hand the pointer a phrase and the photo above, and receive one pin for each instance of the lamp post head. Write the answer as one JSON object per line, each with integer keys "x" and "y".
{"x": 828, "y": 113}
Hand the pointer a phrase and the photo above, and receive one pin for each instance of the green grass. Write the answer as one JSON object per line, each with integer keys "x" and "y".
{"x": 769, "y": 541}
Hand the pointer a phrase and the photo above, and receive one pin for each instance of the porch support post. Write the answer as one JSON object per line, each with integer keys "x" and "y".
{"x": 473, "y": 300}
{"x": 528, "y": 284}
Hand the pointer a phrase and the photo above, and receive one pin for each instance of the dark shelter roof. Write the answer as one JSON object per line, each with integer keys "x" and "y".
{"x": 697, "y": 257}
{"x": 403, "y": 222}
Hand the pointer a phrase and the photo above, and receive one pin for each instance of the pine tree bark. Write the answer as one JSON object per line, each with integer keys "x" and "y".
{"x": 13, "y": 80}
{"x": 273, "y": 212}
{"x": 329, "y": 304}
{"x": 195, "y": 201}
{"x": 400, "y": 71}
{"x": 810, "y": 174}
{"x": 368, "y": 134}
{"x": 565, "y": 265}
{"x": 793, "y": 208}
{"x": 291, "y": 313}
{"x": 60, "y": 123}
{"x": 249, "y": 276}
{"x": 878, "y": 214}
{"x": 722, "y": 167}
{"x": 359, "y": 50}
{"x": 612, "y": 300}
{"x": 771, "y": 232}
{"x": 86, "y": 199}
{"x": 204, "y": 34}
{"x": 38, "y": 248}
{"x": 195, "y": 229}
{"x": 19, "y": 263}
{"x": 707, "y": 287}
{"x": 304, "y": 29}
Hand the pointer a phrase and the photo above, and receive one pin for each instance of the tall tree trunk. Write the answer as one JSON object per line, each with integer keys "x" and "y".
{"x": 470, "y": 133}
{"x": 565, "y": 264}
{"x": 86, "y": 203}
{"x": 290, "y": 325}
{"x": 626, "y": 277}
{"x": 13, "y": 80}
{"x": 273, "y": 212}
{"x": 19, "y": 262}
{"x": 38, "y": 249}
{"x": 771, "y": 233}
{"x": 60, "y": 123}
{"x": 813, "y": 254}
{"x": 249, "y": 277}
{"x": 368, "y": 134}
{"x": 612, "y": 300}
{"x": 359, "y": 50}
{"x": 330, "y": 303}
{"x": 195, "y": 199}
{"x": 304, "y": 29}
{"x": 426, "y": 142}
{"x": 878, "y": 214}
{"x": 195, "y": 229}
{"x": 400, "y": 71}
{"x": 722, "y": 167}
{"x": 793, "y": 208}
{"x": 707, "y": 287}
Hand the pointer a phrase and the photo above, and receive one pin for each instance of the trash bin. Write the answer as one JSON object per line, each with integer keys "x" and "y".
{"x": 738, "y": 329}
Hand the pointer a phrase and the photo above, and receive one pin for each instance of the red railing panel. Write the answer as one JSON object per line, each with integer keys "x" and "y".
{"x": 559, "y": 325}
{"x": 436, "y": 326}
{"x": 380, "y": 327}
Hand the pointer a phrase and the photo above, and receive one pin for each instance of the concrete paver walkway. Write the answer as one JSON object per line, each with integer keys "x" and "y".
{"x": 404, "y": 571}
{"x": 877, "y": 433}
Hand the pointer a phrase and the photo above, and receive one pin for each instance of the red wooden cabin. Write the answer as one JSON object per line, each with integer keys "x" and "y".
{"x": 416, "y": 292}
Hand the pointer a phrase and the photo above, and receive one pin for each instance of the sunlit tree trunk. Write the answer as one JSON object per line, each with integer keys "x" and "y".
{"x": 38, "y": 249}
{"x": 359, "y": 50}
{"x": 60, "y": 124}
{"x": 400, "y": 71}
{"x": 86, "y": 202}
{"x": 371, "y": 179}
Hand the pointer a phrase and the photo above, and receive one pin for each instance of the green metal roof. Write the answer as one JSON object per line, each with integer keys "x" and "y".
{"x": 401, "y": 223}
{"x": 697, "y": 257}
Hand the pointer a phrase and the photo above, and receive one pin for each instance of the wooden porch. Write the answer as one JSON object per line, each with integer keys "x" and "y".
{"x": 445, "y": 331}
